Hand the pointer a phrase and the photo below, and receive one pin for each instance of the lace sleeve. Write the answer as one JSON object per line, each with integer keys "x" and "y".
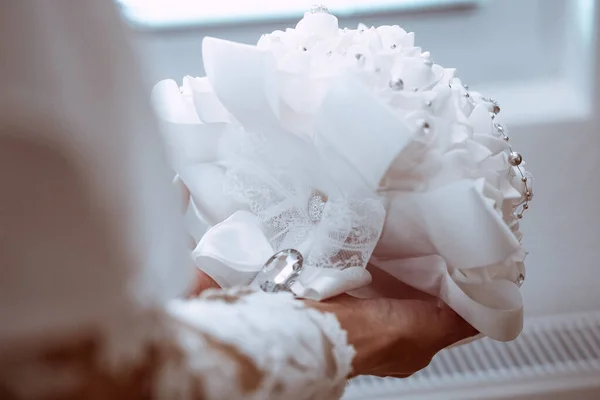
{"x": 251, "y": 345}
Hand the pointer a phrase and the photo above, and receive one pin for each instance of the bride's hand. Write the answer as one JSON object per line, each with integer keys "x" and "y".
{"x": 394, "y": 337}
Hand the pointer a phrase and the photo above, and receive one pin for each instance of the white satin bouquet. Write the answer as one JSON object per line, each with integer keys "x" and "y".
{"x": 330, "y": 150}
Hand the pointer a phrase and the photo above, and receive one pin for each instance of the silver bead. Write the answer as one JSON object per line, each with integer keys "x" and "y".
{"x": 525, "y": 206}
{"x": 524, "y": 179}
{"x": 506, "y": 138}
{"x": 304, "y": 49}
{"x": 393, "y": 46}
{"x": 329, "y": 52}
{"x": 499, "y": 128}
{"x": 515, "y": 159}
{"x": 428, "y": 103}
{"x": 428, "y": 63}
{"x": 397, "y": 84}
{"x": 467, "y": 95}
{"x": 528, "y": 195}
{"x": 519, "y": 216}
{"x": 466, "y": 87}
{"x": 520, "y": 280}
{"x": 495, "y": 106}
{"x": 319, "y": 8}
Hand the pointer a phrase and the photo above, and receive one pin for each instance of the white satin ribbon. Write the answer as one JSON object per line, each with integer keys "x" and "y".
{"x": 234, "y": 251}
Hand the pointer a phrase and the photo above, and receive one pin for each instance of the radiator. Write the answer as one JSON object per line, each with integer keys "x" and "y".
{"x": 553, "y": 354}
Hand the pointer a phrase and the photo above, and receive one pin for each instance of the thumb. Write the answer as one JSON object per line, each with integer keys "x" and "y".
{"x": 202, "y": 283}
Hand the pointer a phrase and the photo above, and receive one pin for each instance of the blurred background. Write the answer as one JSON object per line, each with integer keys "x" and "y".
{"x": 539, "y": 59}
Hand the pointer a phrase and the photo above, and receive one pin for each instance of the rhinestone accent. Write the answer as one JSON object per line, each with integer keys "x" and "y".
{"x": 316, "y": 207}
{"x": 280, "y": 271}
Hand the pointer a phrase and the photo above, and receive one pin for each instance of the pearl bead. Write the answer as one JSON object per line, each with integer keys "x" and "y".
{"x": 524, "y": 179}
{"x": 525, "y": 206}
{"x": 515, "y": 159}
{"x": 397, "y": 84}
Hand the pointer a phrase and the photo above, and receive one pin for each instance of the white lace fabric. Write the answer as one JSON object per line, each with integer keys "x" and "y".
{"x": 276, "y": 177}
{"x": 295, "y": 352}
{"x": 226, "y": 345}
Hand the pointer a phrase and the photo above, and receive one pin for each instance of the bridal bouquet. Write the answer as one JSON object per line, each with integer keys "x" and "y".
{"x": 321, "y": 154}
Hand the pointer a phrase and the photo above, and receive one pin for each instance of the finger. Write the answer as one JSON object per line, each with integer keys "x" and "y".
{"x": 202, "y": 283}
{"x": 435, "y": 327}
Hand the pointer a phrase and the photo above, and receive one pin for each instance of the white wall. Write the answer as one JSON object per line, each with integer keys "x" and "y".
{"x": 538, "y": 58}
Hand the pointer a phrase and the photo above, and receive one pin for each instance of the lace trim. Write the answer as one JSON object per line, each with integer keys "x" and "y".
{"x": 278, "y": 186}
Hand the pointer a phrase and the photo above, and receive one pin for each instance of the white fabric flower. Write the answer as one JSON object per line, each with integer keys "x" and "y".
{"x": 361, "y": 116}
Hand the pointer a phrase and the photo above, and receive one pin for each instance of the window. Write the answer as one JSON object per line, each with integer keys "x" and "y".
{"x": 173, "y": 13}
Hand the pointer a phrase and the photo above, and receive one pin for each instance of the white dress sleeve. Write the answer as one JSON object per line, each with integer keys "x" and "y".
{"x": 243, "y": 345}
{"x": 226, "y": 345}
